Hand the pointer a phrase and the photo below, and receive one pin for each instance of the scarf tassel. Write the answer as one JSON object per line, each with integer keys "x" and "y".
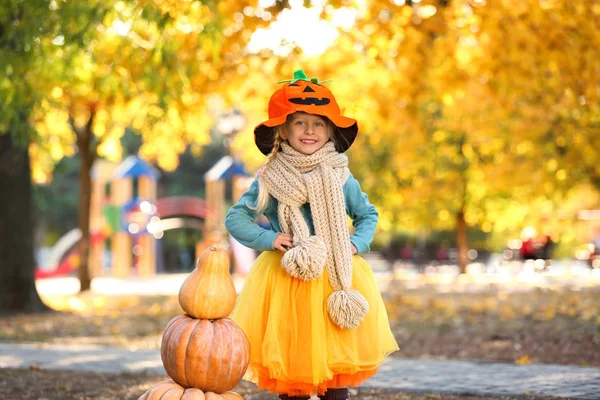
{"x": 306, "y": 260}
{"x": 347, "y": 308}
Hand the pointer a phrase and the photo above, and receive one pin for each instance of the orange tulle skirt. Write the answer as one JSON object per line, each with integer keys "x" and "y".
{"x": 295, "y": 347}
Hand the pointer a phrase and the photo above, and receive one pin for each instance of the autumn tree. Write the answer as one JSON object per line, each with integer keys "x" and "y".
{"x": 152, "y": 68}
{"x": 465, "y": 104}
{"x": 21, "y": 26}
{"x": 465, "y": 108}
{"x": 60, "y": 93}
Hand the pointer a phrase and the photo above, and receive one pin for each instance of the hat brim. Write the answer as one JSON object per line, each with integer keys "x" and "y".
{"x": 345, "y": 134}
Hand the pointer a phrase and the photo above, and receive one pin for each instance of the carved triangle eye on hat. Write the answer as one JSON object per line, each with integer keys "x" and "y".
{"x": 310, "y": 96}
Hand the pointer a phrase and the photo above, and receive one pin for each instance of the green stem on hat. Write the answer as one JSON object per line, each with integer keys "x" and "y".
{"x": 299, "y": 75}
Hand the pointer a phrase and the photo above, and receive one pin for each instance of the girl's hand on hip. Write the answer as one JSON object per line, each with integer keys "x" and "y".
{"x": 283, "y": 242}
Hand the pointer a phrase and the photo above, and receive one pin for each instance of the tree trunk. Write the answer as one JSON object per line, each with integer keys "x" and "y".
{"x": 17, "y": 263}
{"x": 87, "y": 154}
{"x": 462, "y": 241}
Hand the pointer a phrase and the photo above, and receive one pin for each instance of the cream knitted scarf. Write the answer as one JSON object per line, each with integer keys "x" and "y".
{"x": 295, "y": 179}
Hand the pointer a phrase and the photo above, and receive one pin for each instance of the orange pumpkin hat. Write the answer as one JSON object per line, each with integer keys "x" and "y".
{"x": 310, "y": 96}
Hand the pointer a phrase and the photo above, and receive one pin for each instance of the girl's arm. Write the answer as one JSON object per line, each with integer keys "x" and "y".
{"x": 239, "y": 222}
{"x": 363, "y": 214}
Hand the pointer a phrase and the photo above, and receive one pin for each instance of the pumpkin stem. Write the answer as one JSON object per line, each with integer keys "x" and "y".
{"x": 299, "y": 75}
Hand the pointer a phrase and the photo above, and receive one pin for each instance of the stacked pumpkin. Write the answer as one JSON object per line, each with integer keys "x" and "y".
{"x": 204, "y": 353}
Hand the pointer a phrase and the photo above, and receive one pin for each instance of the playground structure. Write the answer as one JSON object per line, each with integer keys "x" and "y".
{"x": 126, "y": 215}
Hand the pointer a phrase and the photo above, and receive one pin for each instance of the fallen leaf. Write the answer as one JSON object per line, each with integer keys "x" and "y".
{"x": 523, "y": 360}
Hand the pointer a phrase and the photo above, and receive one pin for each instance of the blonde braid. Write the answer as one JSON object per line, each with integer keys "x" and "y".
{"x": 262, "y": 200}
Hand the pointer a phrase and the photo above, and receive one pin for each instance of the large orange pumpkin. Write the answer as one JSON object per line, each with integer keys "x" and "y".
{"x": 208, "y": 292}
{"x": 209, "y": 355}
{"x": 169, "y": 390}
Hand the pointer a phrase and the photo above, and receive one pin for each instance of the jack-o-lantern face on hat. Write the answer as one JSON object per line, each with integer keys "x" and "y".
{"x": 310, "y": 96}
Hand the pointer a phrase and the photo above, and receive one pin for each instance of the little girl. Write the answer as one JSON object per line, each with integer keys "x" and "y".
{"x": 310, "y": 306}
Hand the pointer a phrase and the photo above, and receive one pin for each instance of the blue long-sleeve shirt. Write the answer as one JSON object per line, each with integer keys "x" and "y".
{"x": 240, "y": 220}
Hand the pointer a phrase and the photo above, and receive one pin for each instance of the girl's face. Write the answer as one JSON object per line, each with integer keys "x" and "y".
{"x": 306, "y": 133}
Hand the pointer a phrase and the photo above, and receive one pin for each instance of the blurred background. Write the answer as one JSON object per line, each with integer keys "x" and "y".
{"x": 130, "y": 126}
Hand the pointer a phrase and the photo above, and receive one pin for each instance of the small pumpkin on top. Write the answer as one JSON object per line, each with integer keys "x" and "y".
{"x": 208, "y": 292}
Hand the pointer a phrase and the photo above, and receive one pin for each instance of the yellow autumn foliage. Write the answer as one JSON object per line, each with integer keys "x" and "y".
{"x": 490, "y": 108}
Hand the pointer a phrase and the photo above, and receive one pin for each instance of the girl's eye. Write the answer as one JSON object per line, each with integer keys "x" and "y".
{"x": 319, "y": 124}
